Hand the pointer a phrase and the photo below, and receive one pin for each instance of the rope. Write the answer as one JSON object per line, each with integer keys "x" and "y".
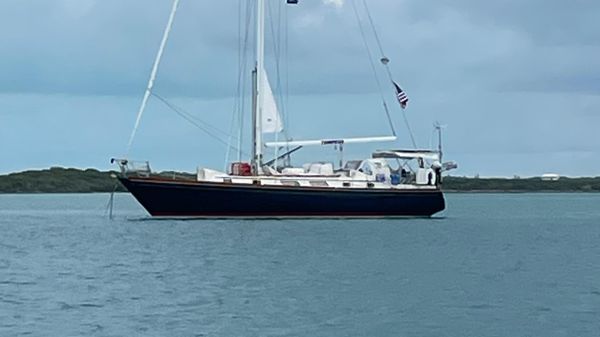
{"x": 111, "y": 200}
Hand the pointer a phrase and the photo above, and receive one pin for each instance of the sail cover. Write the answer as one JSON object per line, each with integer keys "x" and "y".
{"x": 270, "y": 118}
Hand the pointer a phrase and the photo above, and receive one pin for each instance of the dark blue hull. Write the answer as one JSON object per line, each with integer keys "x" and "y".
{"x": 168, "y": 198}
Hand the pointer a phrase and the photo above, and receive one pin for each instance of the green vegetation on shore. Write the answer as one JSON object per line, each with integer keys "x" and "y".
{"x": 63, "y": 180}
{"x": 564, "y": 184}
{"x": 59, "y": 180}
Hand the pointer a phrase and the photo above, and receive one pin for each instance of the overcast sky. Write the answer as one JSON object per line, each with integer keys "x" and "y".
{"x": 517, "y": 82}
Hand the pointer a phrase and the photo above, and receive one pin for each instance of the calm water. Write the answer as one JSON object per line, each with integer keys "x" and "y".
{"x": 494, "y": 265}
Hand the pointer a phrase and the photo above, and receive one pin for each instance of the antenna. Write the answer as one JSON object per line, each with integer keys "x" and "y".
{"x": 438, "y": 127}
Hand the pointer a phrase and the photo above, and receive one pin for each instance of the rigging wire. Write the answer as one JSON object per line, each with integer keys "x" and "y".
{"x": 237, "y": 92}
{"x": 239, "y": 105}
{"x": 387, "y": 67}
{"x": 377, "y": 40}
{"x": 286, "y": 52}
{"x": 153, "y": 74}
{"x": 249, "y": 15}
{"x": 277, "y": 48}
{"x": 370, "y": 55}
{"x": 285, "y": 90}
{"x": 277, "y": 51}
{"x": 203, "y": 126}
{"x": 191, "y": 116}
{"x": 241, "y": 116}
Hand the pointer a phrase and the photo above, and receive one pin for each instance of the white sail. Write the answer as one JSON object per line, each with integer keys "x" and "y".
{"x": 271, "y": 120}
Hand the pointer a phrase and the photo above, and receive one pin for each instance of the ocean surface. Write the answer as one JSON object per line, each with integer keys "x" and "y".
{"x": 491, "y": 265}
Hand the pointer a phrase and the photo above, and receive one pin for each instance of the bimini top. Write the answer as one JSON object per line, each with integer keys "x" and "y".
{"x": 407, "y": 154}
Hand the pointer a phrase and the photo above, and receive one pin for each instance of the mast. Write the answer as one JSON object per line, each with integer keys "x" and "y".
{"x": 258, "y": 83}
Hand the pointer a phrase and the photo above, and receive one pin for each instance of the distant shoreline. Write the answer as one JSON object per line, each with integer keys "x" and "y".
{"x": 58, "y": 180}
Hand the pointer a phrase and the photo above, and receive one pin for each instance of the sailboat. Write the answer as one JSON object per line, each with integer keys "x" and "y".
{"x": 391, "y": 183}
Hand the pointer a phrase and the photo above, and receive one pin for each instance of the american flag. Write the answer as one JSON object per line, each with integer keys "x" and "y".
{"x": 402, "y": 98}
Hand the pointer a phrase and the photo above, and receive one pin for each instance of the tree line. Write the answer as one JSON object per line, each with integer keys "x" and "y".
{"x": 69, "y": 180}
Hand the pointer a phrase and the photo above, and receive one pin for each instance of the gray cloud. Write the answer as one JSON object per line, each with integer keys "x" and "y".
{"x": 510, "y": 77}
{"x": 107, "y": 47}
